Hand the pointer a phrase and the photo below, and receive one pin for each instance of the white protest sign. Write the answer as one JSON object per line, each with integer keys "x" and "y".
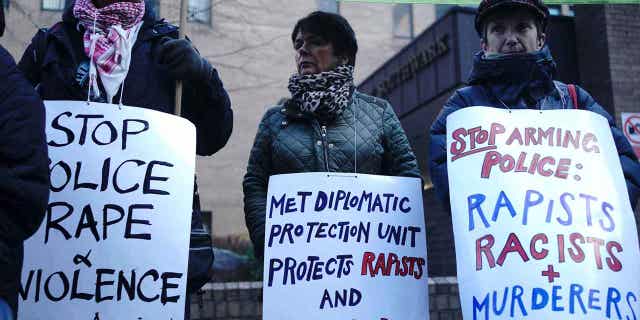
{"x": 115, "y": 240}
{"x": 631, "y": 129}
{"x": 340, "y": 246}
{"x": 542, "y": 221}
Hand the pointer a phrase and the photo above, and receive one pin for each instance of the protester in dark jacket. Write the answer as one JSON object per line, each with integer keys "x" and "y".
{"x": 57, "y": 62}
{"x": 24, "y": 176}
{"x": 515, "y": 70}
{"x": 316, "y": 129}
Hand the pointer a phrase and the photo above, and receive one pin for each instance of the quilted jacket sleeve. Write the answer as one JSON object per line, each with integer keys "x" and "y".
{"x": 399, "y": 159}
{"x": 24, "y": 174}
{"x": 628, "y": 159}
{"x": 255, "y": 184}
{"x": 438, "y": 149}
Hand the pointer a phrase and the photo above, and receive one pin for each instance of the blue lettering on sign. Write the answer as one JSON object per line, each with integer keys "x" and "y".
{"x": 480, "y": 306}
{"x": 474, "y": 201}
{"x": 629, "y": 296}
{"x": 530, "y": 202}
{"x": 539, "y": 293}
{"x": 555, "y": 299}
{"x": 597, "y": 213}
{"x": 503, "y": 201}
{"x": 516, "y": 296}
{"x": 613, "y": 298}
{"x": 575, "y": 294}
{"x": 579, "y": 300}
{"x": 496, "y": 310}
{"x": 277, "y": 203}
{"x": 593, "y": 299}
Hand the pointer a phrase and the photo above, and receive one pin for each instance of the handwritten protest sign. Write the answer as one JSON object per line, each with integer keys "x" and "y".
{"x": 114, "y": 243}
{"x": 344, "y": 247}
{"x": 542, "y": 221}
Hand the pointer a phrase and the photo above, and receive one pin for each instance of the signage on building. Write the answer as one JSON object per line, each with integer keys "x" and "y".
{"x": 542, "y": 221}
{"x": 631, "y": 128}
{"x": 415, "y": 64}
{"x": 115, "y": 240}
{"x": 345, "y": 246}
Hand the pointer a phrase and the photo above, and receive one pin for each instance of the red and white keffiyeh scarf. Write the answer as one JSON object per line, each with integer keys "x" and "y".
{"x": 110, "y": 33}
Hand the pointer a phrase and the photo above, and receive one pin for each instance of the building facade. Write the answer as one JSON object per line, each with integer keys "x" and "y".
{"x": 248, "y": 41}
{"x": 413, "y": 55}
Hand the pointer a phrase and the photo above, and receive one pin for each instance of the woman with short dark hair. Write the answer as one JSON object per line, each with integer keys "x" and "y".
{"x": 334, "y": 29}
{"x": 326, "y": 124}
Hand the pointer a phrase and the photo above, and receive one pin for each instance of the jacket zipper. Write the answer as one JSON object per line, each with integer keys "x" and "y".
{"x": 323, "y": 131}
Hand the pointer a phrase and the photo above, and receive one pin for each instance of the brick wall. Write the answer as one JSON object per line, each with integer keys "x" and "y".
{"x": 593, "y": 52}
{"x": 608, "y": 45}
{"x": 243, "y": 301}
{"x": 623, "y": 23}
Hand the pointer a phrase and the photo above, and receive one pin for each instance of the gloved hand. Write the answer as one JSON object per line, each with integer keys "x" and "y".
{"x": 182, "y": 60}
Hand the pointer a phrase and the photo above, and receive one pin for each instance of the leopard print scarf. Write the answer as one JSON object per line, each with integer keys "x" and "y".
{"x": 323, "y": 95}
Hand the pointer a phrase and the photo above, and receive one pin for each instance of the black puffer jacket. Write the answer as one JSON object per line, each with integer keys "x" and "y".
{"x": 24, "y": 175}
{"x": 288, "y": 142}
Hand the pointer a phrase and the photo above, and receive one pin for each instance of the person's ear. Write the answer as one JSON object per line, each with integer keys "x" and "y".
{"x": 541, "y": 40}
{"x": 483, "y": 44}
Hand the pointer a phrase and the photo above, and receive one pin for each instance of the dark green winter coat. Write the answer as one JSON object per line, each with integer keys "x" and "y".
{"x": 291, "y": 142}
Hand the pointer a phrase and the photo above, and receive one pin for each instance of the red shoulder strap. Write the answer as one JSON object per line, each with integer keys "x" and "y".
{"x": 573, "y": 94}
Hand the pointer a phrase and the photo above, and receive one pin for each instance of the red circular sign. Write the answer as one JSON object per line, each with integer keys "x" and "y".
{"x": 631, "y": 130}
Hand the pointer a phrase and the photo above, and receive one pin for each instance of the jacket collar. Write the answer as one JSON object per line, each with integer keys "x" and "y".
{"x": 511, "y": 77}
{"x": 292, "y": 111}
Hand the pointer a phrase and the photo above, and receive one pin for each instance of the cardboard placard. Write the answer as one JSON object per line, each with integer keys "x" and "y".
{"x": 115, "y": 240}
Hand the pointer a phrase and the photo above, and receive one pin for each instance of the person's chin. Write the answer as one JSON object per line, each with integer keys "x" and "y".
{"x": 307, "y": 70}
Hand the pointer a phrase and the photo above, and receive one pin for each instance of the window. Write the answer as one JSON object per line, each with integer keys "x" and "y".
{"x": 199, "y": 11}
{"x": 561, "y": 10}
{"x": 328, "y": 6}
{"x": 55, "y": 5}
{"x": 567, "y": 10}
{"x": 403, "y": 21}
{"x": 554, "y": 9}
{"x": 5, "y": 4}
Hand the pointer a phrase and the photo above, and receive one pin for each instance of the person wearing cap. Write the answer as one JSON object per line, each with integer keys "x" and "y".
{"x": 515, "y": 70}
{"x": 24, "y": 174}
